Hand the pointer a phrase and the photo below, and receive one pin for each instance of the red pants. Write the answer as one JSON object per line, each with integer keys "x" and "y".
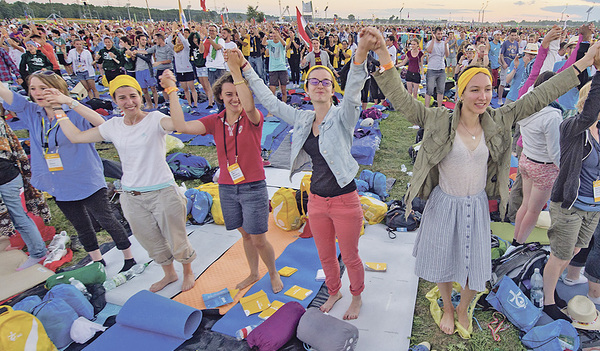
{"x": 340, "y": 217}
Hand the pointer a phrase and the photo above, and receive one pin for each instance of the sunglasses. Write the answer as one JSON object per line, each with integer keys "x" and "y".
{"x": 46, "y": 73}
{"x": 325, "y": 82}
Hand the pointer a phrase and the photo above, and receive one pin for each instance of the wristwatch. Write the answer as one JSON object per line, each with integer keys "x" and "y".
{"x": 74, "y": 104}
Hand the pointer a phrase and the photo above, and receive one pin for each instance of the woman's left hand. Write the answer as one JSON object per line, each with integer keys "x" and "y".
{"x": 56, "y": 98}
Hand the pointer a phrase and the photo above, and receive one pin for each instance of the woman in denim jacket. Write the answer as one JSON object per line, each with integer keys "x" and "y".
{"x": 324, "y": 136}
{"x": 463, "y": 161}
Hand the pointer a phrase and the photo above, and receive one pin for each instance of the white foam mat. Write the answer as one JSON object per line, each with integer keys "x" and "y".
{"x": 210, "y": 241}
{"x": 389, "y": 297}
{"x": 278, "y": 177}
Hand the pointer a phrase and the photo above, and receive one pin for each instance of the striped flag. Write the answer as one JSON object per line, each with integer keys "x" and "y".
{"x": 203, "y": 5}
{"x": 182, "y": 16}
{"x": 222, "y": 20}
{"x": 303, "y": 29}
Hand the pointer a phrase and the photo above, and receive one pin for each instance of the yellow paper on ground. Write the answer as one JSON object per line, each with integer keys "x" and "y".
{"x": 255, "y": 303}
{"x": 287, "y": 271}
{"x": 298, "y": 292}
{"x": 375, "y": 266}
{"x": 275, "y": 305}
{"x": 233, "y": 292}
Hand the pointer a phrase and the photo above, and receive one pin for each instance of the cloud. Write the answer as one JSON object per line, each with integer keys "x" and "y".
{"x": 519, "y": 3}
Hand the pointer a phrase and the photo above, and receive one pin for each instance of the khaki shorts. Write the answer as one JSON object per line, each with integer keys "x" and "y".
{"x": 570, "y": 228}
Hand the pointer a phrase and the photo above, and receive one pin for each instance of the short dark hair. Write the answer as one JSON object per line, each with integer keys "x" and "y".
{"x": 513, "y": 30}
{"x": 437, "y": 29}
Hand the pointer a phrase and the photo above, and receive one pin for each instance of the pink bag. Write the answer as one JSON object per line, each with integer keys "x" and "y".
{"x": 278, "y": 329}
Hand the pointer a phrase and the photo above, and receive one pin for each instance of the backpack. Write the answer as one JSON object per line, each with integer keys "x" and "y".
{"x": 552, "y": 337}
{"x": 187, "y": 166}
{"x": 285, "y": 209}
{"x": 396, "y": 217}
{"x": 373, "y": 210}
{"x": 20, "y": 330}
{"x": 97, "y": 103}
{"x": 508, "y": 299}
{"x": 215, "y": 210}
{"x": 377, "y": 182}
{"x": 371, "y": 112}
{"x": 199, "y": 204}
{"x": 519, "y": 264}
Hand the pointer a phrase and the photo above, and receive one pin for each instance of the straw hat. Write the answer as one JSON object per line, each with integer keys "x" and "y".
{"x": 531, "y": 48}
{"x": 573, "y": 40}
{"x": 470, "y": 48}
{"x": 584, "y": 313}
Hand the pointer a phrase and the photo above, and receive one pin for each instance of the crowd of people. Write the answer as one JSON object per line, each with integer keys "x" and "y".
{"x": 551, "y": 111}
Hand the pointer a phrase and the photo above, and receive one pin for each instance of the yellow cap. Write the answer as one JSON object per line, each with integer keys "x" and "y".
{"x": 123, "y": 80}
{"x": 336, "y": 86}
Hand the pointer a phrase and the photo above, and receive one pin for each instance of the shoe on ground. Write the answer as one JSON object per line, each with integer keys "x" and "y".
{"x": 266, "y": 163}
{"x": 595, "y": 300}
{"x": 571, "y": 282}
{"x": 424, "y": 346}
{"x": 30, "y": 262}
{"x": 76, "y": 244}
{"x": 60, "y": 241}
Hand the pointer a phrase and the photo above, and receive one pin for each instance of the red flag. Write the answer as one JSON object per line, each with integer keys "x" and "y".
{"x": 222, "y": 19}
{"x": 203, "y": 5}
{"x": 303, "y": 29}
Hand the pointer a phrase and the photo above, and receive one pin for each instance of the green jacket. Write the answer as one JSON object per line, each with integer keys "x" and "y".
{"x": 440, "y": 130}
{"x": 108, "y": 63}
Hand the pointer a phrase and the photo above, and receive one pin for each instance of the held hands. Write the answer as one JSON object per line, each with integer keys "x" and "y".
{"x": 167, "y": 79}
{"x": 56, "y": 98}
{"x": 371, "y": 40}
{"x": 234, "y": 58}
{"x": 552, "y": 35}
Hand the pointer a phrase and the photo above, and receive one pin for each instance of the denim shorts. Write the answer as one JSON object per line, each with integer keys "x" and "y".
{"x": 202, "y": 72}
{"x": 145, "y": 79}
{"x": 245, "y": 205}
{"x": 436, "y": 78}
{"x": 84, "y": 76}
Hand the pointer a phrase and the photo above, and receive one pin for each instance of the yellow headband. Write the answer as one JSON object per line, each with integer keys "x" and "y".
{"x": 123, "y": 80}
{"x": 466, "y": 77}
{"x": 336, "y": 86}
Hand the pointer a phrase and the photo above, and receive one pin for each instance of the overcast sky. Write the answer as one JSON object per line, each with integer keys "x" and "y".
{"x": 457, "y": 10}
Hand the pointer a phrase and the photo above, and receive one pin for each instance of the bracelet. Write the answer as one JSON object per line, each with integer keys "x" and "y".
{"x": 577, "y": 69}
{"x": 243, "y": 81}
{"x": 385, "y": 67}
{"x": 60, "y": 115}
{"x": 171, "y": 90}
{"x": 62, "y": 118}
{"x": 242, "y": 68}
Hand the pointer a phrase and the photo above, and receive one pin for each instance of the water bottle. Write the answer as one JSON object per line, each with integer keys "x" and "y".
{"x": 122, "y": 277}
{"x": 79, "y": 285}
{"x": 243, "y": 333}
{"x": 537, "y": 289}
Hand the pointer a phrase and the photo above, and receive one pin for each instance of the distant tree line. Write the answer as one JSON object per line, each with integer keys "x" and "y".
{"x": 20, "y": 9}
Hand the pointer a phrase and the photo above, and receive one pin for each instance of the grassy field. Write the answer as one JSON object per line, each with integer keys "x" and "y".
{"x": 397, "y": 137}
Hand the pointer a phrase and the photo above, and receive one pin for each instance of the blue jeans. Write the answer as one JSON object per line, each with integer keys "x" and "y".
{"x": 258, "y": 65}
{"x": 10, "y": 193}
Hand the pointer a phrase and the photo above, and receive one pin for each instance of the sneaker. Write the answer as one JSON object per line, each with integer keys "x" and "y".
{"x": 55, "y": 255}
{"x": 509, "y": 250}
{"x": 30, "y": 262}
{"x": 60, "y": 241}
{"x": 266, "y": 163}
{"x": 424, "y": 346}
{"x": 75, "y": 244}
{"x": 571, "y": 282}
{"x": 209, "y": 107}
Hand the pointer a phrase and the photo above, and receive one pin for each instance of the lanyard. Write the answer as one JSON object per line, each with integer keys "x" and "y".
{"x": 45, "y": 136}
{"x": 236, "y": 125}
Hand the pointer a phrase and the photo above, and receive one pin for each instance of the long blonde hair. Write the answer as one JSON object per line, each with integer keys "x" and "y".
{"x": 583, "y": 93}
{"x": 52, "y": 80}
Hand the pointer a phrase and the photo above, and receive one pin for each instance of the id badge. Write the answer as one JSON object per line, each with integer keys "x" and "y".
{"x": 596, "y": 191}
{"x": 236, "y": 173}
{"x": 53, "y": 161}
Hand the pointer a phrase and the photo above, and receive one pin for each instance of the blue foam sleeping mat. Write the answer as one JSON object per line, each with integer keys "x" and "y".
{"x": 301, "y": 254}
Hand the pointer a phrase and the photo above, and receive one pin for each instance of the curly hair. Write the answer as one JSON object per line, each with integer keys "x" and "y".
{"x": 217, "y": 88}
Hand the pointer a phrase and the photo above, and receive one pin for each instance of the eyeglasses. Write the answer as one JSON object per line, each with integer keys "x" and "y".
{"x": 46, "y": 73}
{"x": 325, "y": 82}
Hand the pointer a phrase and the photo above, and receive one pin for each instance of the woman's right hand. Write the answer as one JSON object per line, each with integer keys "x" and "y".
{"x": 167, "y": 79}
{"x": 234, "y": 58}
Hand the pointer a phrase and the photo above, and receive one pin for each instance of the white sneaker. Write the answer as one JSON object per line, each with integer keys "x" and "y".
{"x": 509, "y": 250}
{"x": 570, "y": 282}
{"x": 55, "y": 256}
{"x": 60, "y": 241}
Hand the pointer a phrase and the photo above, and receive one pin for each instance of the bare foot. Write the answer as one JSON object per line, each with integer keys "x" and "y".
{"x": 249, "y": 280}
{"x": 354, "y": 309}
{"x": 276, "y": 283}
{"x": 447, "y": 322}
{"x": 189, "y": 280}
{"x": 463, "y": 318}
{"x": 166, "y": 280}
{"x": 326, "y": 307}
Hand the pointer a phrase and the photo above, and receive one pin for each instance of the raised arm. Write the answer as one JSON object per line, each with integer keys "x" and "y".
{"x": 177, "y": 121}
{"x": 57, "y": 99}
{"x": 553, "y": 34}
{"x": 573, "y": 126}
{"x": 357, "y": 76}
{"x": 6, "y": 94}
{"x": 236, "y": 59}
{"x": 391, "y": 84}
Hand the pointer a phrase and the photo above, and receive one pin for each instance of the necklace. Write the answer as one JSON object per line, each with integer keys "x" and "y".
{"x": 472, "y": 135}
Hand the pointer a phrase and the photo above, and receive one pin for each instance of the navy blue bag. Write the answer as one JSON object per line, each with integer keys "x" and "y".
{"x": 187, "y": 166}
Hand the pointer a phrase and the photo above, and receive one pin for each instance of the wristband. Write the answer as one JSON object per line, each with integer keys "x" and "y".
{"x": 243, "y": 81}
{"x": 62, "y": 118}
{"x": 60, "y": 115}
{"x": 386, "y": 67}
{"x": 242, "y": 68}
{"x": 577, "y": 69}
{"x": 171, "y": 90}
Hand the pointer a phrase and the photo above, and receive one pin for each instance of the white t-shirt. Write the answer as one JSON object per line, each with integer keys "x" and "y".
{"x": 219, "y": 61}
{"x": 142, "y": 150}
{"x": 227, "y": 46}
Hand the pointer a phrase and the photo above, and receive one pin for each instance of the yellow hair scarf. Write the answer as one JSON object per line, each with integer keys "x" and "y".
{"x": 336, "y": 86}
{"x": 123, "y": 80}
{"x": 466, "y": 77}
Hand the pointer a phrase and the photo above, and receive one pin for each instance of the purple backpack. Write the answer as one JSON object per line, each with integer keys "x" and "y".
{"x": 278, "y": 329}
{"x": 371, "y": 112}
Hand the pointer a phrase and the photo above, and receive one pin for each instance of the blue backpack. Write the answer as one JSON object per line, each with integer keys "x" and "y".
{"x": 552, "y": 337}
{"x": 199, "y": 204}
{"x": 376, "y": 181}
{"x": 187, "y": 166}
{"x": 507, "y": 298}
